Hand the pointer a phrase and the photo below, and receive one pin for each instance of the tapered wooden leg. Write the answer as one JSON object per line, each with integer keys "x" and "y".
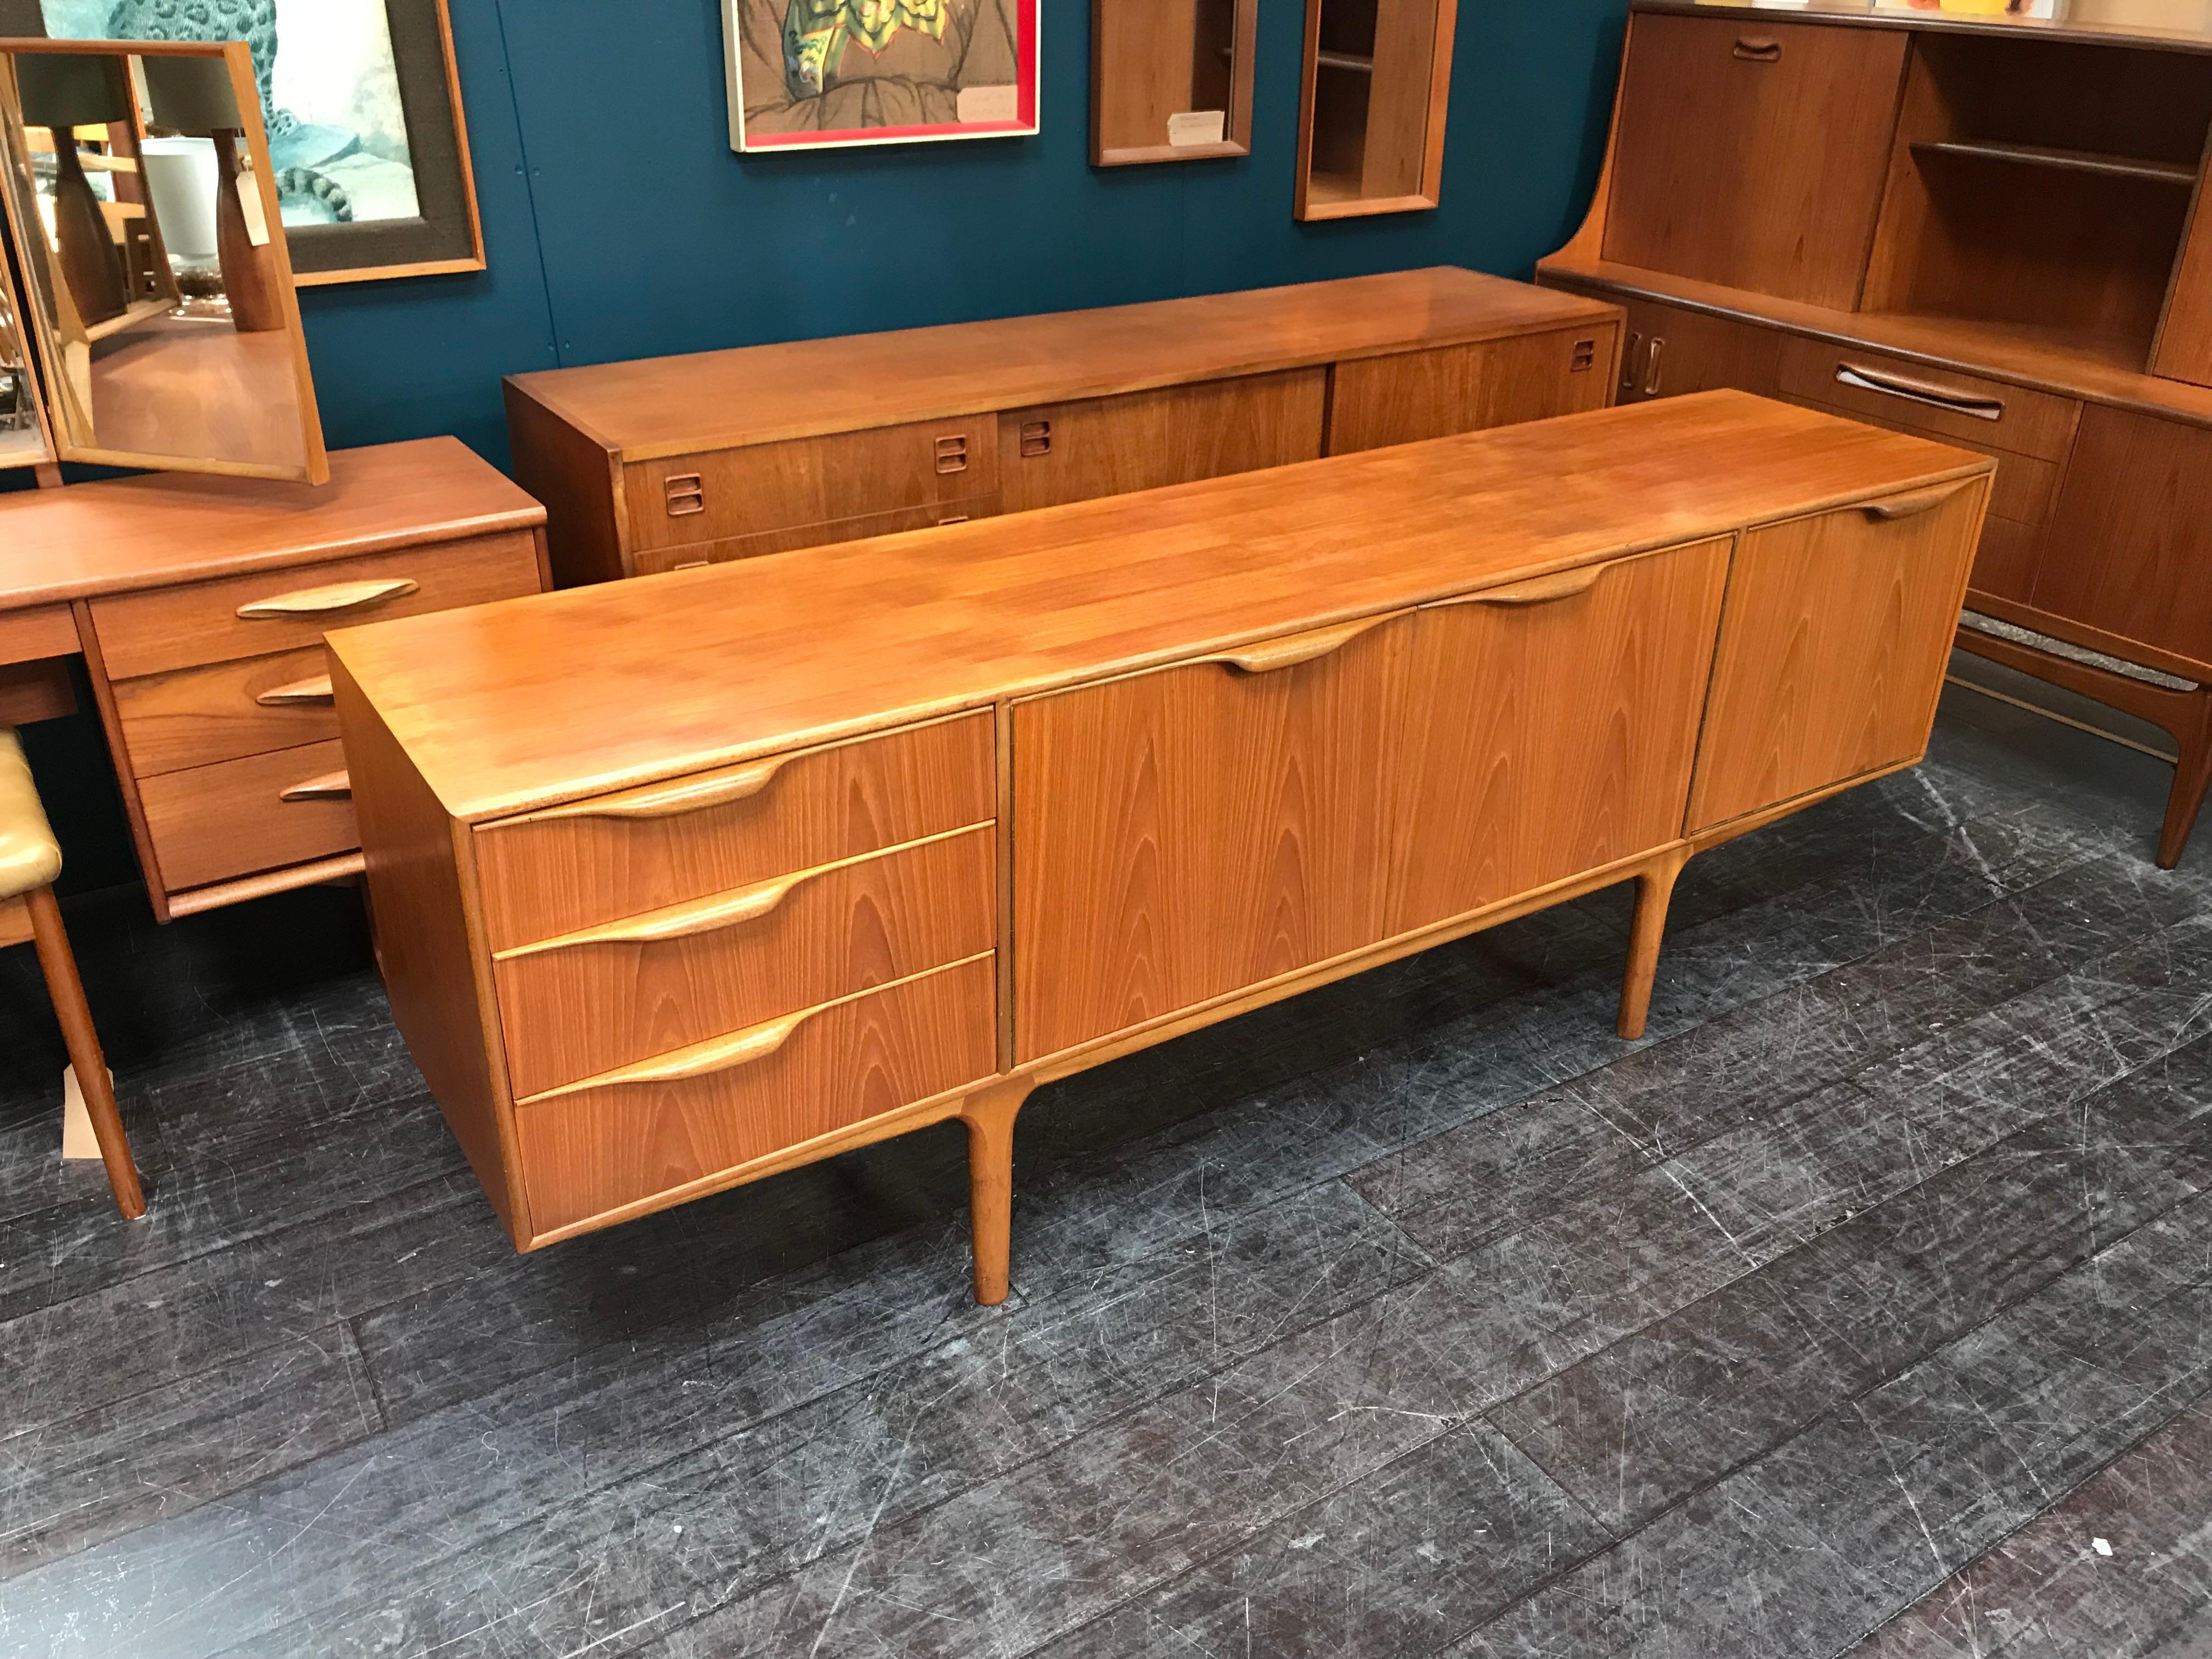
{"x": 1655, "y": 890}
{"x": 990, "y": 1120}
{"x": 2192, "y": 777}
{"x": 59, "y": 964}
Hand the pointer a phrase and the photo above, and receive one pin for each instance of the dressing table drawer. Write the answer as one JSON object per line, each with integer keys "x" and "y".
{"x": 567, "y": 868}
{"x": 202, "y": 716}
{"x": 214, "y": 822}
{"x": 166, "y": 628}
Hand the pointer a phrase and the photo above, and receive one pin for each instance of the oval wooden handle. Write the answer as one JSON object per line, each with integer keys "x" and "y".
{"x": 705, "y": 915}
{"x": 321, "y": 601}
{"x": 1295, "y": 649}
{"x": 1758, "y": 48}
{"x": 1893, "y": 507}
{"x": 1543, "y": 590}
{"x": 721, "y": 1054}
{"x": 674, "y": 800}
{"x": 314, "y": 690}
{"x": 331, "y": 786}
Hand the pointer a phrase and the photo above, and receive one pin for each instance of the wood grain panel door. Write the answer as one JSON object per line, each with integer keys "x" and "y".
{"x": 1415, "y": 395}
{"x": 1669, "y": 351}
{"x": 1078, "y": 452}
{"x": 1553, "y": 729}
{"x": 1832, "y": 647}
{"x": 1183, "y": 834}
{"x": 1753, "y": 154}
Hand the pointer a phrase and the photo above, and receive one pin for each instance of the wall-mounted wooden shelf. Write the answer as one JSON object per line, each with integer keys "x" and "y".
{"x": 1371, "y": 129}
{"x": 1165, "y": 73}
{"x": 2066, "y": 160}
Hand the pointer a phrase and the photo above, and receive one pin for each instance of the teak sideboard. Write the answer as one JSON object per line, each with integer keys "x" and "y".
{"x": 671, "y": 462}
{"x": 684, "y": 881}
{"x": 1994, "y": 231}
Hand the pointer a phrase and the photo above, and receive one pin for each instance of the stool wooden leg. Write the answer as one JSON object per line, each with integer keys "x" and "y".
{"x": 1655, "y": 890}
{"x": 59, "y": 965}
{"x": 2192, "y": 778}
{"x": 990, "y": 1116}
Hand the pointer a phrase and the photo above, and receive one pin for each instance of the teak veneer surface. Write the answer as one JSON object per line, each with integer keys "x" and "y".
{"x": 163, "y": 530}
{"x": 662, "y": 406}
{"x": 508, "y": 706}
{"x": 2146, "y": 21}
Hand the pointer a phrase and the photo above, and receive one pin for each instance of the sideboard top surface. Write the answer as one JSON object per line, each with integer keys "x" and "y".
{"x": 2117, "y": 22}
{"x": 656, "y": 407}
{"x": 164, "y": 528}
{"x": 511, "y": 706}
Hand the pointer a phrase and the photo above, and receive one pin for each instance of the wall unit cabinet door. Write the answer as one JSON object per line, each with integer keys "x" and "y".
{"x": 1077, "y": 451}
{"x": 1669, "y": 351}
{"x": 1414, "y": 395}
{"x": 1753, "y": 154}
{"x": 1836, "y": 629}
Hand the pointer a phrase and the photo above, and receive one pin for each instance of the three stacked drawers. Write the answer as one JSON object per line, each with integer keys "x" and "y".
{"x": 698, "y": 974}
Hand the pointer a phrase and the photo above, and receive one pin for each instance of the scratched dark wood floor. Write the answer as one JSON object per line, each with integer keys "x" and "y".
{"x": 1844, "y": 1315}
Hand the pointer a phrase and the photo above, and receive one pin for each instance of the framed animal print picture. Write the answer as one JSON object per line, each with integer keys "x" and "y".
{"x": 363, "y": 111}
{"x": 824, "y": 74}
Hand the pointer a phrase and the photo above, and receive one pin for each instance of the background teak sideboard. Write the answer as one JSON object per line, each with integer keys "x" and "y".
{"x": 198, "y": 606}
{"x": 671, "y": 462}
{"x": 684, "y": 881}
{"x": 1994, "y": 231}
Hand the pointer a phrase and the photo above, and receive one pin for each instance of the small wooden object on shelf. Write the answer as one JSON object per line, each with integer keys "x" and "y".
{"x": 1371, "y": 123}
{"x": 1171, "y": 79}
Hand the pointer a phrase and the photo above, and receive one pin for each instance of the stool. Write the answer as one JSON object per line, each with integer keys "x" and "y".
{"x": 30, "y": 858}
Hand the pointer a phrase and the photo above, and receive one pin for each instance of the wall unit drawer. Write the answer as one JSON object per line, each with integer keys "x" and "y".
{"x": 605, "y": 1147}
{"x": 809, "y": 481}
{"x": 1832, "y": 647}
{"x": 1753, "y": 153}
{"x": 568, "y": 867}
{"x": 199, "y": 716}
{"x": 653, "y": 561}
{"x": 263, "y": 812}
{"x": 1415, "y": 395}
{"x": 633, "y": 989}
{"x": 171, "y": 628}
{"x": 1937, "y": 403}
{"x": 1077, "y": 451}
{"x": 2023, "y": 488}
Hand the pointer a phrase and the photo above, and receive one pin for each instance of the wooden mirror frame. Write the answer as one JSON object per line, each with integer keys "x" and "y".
{"x": 1127, "y": 37}
{"x": 1405, "y": 31}
{"x": 11, "y": 305}
{"x": 15, "y": 156}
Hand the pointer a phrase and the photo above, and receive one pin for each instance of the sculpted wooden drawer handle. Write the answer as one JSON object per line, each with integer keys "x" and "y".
{"x": 1911, "y": 506}
{"x": 1759, "y": 49}
{"x": 722, "y": 1053}
{"x": 321, "y": 601}
{"x": 705, "y": 915}
{"x": 1544, "y": 590}
{"x": 1919, "y": 391}
{"x": 300, "y": 692}
{"x": 674, "y": 799}
{"x": 1289, "y": 652}
{"x": 331, "y": 786}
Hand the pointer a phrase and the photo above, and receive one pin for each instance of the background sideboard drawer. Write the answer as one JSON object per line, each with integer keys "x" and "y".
{"x": 1937, "y": 403}
{"x": 602, "y": 1148}
{"x": 653, "y": 560}
{"x": 620, "y": 993}
{"x": 551, "y": 873}
{"x": 1415, "y": 395}
{"x": 164, "y": 629}
{"x": 263, "y": 812}
{"x": 809, "y": 481}
{"x": 199, "y": 716}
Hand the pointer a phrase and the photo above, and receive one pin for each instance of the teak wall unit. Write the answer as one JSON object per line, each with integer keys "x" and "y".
{"x": 1995, "y": 232}
{"x": 684, "y": 881}
{"x": 1371, "y": 121}
{"x": 672, "y": 462}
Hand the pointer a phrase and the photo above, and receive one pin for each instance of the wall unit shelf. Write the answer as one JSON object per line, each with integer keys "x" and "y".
{"x": 2066, "y": 160}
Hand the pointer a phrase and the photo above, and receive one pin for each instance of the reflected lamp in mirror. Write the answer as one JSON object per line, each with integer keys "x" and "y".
{"x": 1171, "y": 79}
{"x": 156, "y": 287}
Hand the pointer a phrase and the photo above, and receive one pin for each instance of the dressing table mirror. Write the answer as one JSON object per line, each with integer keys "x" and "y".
{"x": 22, "y": 426}
{"x": 157, "y": 290}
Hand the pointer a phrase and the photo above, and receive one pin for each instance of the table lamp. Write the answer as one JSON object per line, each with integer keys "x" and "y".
{"x": 195, "y": 96}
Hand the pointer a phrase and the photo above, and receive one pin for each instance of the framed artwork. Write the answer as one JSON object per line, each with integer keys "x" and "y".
{"x": 826, "y": 73}
{"x": 363, "y": 113}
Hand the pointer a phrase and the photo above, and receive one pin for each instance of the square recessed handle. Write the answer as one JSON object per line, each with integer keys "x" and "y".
{"x": 1036, "y": 438}
{"x": 953, "y": 453}
{"x": 1585, "y": 357}
{"x": 686, "y": 494}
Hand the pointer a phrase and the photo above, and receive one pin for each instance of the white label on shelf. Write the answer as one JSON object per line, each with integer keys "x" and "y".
{"x": 993, "y": 105}
{"x": 1197, "y": 126}
{"x": 249, "y": 202}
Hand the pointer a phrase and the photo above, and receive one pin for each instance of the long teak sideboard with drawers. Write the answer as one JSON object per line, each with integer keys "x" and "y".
{"x": 1993, "y": 231}
{"x": 671, "y": 462}
{"x": 198, "y": 606}
{"x": 683, "y": 881}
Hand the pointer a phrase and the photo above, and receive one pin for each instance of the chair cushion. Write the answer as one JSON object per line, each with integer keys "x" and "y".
{"x": 29, "y": 855}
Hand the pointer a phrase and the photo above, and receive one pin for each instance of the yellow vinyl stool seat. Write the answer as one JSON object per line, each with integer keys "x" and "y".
{"x": 30, "y": 858}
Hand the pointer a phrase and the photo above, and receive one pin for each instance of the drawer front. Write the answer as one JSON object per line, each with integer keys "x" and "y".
{"x": 1078, "y": 452}
{"x": 587, "y": 1154}
{"x": 199, "y": 716}
{"x": 1959, "y": 408}
{"x": 1833, "y": 647}
{"x": 552, "y": 872}
{"x": 172, "y": 627}
{"x": 630, "y": 990}
{"x": 1415, "y": 395}
{"x": 216, "y": 822}
{"x": 2022, "y": 490}
{"x": 809, "y": 481}
{"x": 653, "y": 560}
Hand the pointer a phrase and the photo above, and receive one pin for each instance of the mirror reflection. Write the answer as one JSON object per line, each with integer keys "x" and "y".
{"x": 22, "y": 441}
{"x": 157, "y": 277}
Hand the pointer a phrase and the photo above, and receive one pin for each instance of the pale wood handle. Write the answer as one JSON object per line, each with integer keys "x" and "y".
{"x": 722, "y": 1053}
{"x": 320, "y": 601}
{"x": 705, "y": 915}
{"x": 674, "y": 799}
{"x": 1543, "y": 590}
{"x": 331, "y": 786}
{"x": 1912, "y": 506}
{"x": 1863, "y": 378}
{"x": 1294, "y": 650}
{"x": 314, "y": 690}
